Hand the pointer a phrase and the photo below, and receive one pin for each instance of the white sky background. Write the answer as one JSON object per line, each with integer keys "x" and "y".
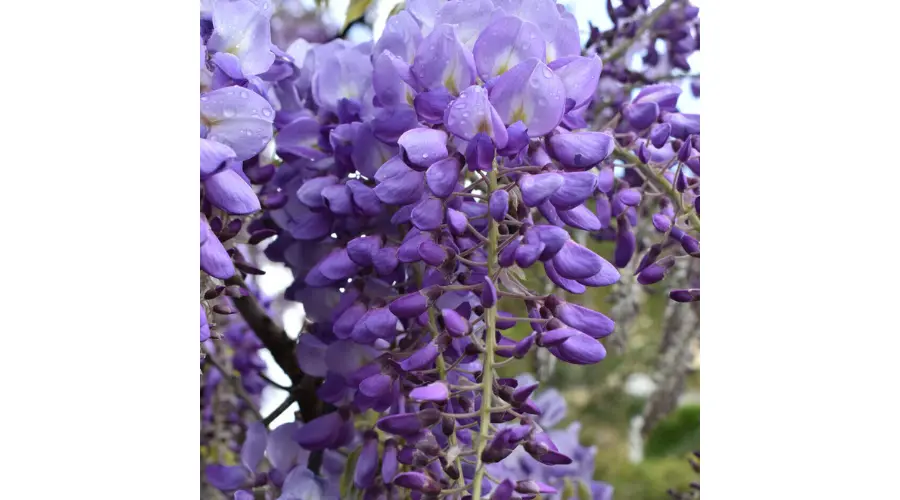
{"x": 278, "y": 278}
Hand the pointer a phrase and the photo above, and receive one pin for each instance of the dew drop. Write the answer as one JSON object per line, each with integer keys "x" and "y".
{"x": 204, "y": 98}
{"x": 266, "y": 112}
{"x": 228, "y": 112}
{"x": 424, "y": 156}
{"x": 547, "y": 73}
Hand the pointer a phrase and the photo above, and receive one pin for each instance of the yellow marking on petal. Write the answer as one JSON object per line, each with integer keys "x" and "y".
{"x": 484, "y": 126}
{"x": 519, "y": 115}
{"x": 451, "y": 85}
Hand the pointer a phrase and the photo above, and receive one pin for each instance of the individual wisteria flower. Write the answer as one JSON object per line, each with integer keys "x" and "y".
{"x": 407, "y": 182}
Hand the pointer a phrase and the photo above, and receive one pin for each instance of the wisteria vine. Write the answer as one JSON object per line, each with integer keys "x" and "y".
{"x": 407, "y": 183}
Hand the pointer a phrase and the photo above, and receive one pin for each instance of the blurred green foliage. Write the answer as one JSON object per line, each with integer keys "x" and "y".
{"x": 596, "y": 397}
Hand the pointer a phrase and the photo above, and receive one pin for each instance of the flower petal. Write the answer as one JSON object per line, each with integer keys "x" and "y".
{"x": 532, "y": 93}
{"x": 580, "y": 76}
{"x": 472, "y": 113}
{"x": 228, "y": 191}
{"x": 213, "y": 156}
{"x": 238, "y": 118}
{"x": 443, "y": 61}
{"x": 537, "y": 188}
{"x": 506, "y": 42}
{"x": 423, "y": 146}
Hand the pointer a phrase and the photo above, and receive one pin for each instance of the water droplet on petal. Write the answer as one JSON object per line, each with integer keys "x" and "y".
{"x": 424, "y": 156}
{"x": 228, "y": 112}
{"x": 244, "y": 94}
{"x": 547, "y": 72}
{"x": 204, "y": 98}
{"x": 266, "y": 112}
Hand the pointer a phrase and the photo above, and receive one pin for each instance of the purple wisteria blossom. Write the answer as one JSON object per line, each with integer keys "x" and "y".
{"x": 408, "y": 182}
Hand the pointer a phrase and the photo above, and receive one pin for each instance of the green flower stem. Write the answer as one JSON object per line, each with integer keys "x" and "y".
{"x": 490, "y": 341}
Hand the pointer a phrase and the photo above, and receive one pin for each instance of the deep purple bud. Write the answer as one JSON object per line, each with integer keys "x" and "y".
{"x": 537, "y": 188}
{"x": 688, "y": 242}
{"x": 580, "y": 349}
{"x": 273, "y": 201}
{"x": 389, "y": 461}
{"x": 430, "y": 105}
{"x": 367, "y": 464}
{"x": 557, "y": 336}
{"x": 457, "y": 221}
{"x": 685, "y": 295}
{"x": 421, "y": 359}
{"x": 575, "y": 261}
{"x": 586, "y": 320}
{"x": 569, "y": 285}
{"x": 364, "y": 197}
{"x": 417, "y": 481}
{"x": 529, "y": 487}
{"x": 606, "y": 180}
{"x": 544, "y": 451}
{"x": 456, "y": 325}
{"x": 480, "y": 153}
{"x": 685, "y": 151}
{"x": 582, "y": 149}
{"x": 363, "y": 249}
{"x": 428, "y": 214}
{"x": 498, "y": 204}
{"x": 659, "y": 134}
{"x": 517, "y": 141}
{"x": 507, "y": 256}
{"x": 630, "y": 197}
{"x": 376, "y": 386}
{"x": 553, "y": 238}
{"x": 320, "y": 433}
{"x": 409, "y": 305}
{"x": 576, "y": 188}
{"x": 521, "y": 348}
{"x": 431, "y": 253}
{"x": 661, "y": 223}
{"x": 641, "y": 115}
{"x": 435, "y": 392}
{"x": 521, "y": 394}
{"x": 385, "y": 261}
{"x": 653, "y": 273}
{"x": 443, "y": 176}
{"x": 604, "y": 211}
{"x": 502, "y": 323}
{"x": 408, "y": 424}
{"x": 488, "y": 293}
{"x": 625, "y": 243}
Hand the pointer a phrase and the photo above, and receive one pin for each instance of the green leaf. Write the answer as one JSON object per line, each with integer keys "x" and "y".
{"x": 347, "y": 476}
{"x": 356, "y": 10}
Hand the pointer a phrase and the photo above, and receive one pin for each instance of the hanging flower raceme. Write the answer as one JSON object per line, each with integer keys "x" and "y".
{"x": 408, "y": 183}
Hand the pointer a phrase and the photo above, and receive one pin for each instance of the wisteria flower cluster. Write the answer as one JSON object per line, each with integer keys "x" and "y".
{"x": 407, "y": 183}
